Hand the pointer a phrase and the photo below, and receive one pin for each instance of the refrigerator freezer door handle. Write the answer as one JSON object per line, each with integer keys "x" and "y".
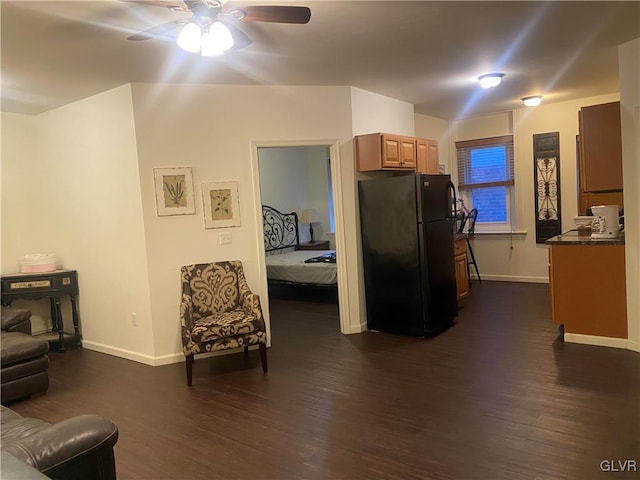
{"x": 453, "y": 212}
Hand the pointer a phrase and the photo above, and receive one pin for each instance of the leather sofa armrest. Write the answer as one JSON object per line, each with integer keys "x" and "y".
{"x": 71, "y": 445}
{"x": 15, "y": 320}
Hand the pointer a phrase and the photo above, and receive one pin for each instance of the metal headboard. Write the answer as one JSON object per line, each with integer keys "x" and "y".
{"x": 280, "y": 229}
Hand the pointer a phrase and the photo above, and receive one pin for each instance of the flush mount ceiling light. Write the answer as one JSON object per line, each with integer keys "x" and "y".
{"x": 532, "y": 101}
{"x": 490, "y": 80}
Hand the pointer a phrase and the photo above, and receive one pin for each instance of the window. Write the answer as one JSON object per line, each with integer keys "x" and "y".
{"x": 485, "y": 180}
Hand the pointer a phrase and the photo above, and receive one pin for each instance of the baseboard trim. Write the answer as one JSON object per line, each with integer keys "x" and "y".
{"x": 120, "y": 352}
{"x": 596, "y": 340}
{"x": 635, "y": 346}
{"x": 148, "y": 359}
{"x": 358, "y": 329}
{"x": 511, "y": 278}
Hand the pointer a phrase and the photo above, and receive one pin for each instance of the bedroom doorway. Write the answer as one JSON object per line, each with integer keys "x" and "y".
{"x": 299, "y": 177}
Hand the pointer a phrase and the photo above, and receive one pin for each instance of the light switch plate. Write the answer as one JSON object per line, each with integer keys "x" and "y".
{"x": 225, "y": 238}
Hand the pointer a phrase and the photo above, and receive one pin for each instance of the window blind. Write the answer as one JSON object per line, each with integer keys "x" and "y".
{"x": 485, "y": 162}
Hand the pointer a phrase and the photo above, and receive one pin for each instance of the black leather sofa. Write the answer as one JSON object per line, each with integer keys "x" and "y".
{"x": 23, "y": 359}
{"x": 79, "y": 448}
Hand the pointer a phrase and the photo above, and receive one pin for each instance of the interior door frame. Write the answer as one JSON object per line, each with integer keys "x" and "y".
{"x": 336, "y": 181}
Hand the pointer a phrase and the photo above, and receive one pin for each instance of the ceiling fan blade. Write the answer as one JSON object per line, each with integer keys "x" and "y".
{"x": 156, "y": 31}
{"x": 159, "y": 3}
{"x": 273, "y": 13}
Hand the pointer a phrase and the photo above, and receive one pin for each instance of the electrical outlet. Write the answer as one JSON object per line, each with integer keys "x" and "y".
{"x": 134, "y": 319}
{"x": 225, "y": 238}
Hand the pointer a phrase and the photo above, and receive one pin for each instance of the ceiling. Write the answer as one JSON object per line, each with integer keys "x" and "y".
{"x": 426, "y": 53}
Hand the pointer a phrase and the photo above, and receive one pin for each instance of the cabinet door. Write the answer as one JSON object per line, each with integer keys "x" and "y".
{"x": 422, "y": 149}
{"x": 551, "y": 290}
{"x": 432, "y": 157}
{"x": 427, "y": 156}
{"x": 391, "y": 151}
{"x": 462, "y": 273}
{"x": 408, "y": 151}
{"x": 600, "y": 148}
{"x": 462, "y": 279}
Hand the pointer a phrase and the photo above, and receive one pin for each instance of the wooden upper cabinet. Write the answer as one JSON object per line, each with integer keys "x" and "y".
{"x": 600, "y": 148}
{"x": 391, "y": 151}
{"x": 383, "y": 151}
{"x": 427, "y": 156}
{"x": 408, "y": 152}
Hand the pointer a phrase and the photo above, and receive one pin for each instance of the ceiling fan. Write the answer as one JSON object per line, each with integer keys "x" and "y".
{"x": 207, "y": 32}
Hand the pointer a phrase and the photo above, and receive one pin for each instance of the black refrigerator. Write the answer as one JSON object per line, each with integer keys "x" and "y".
{"x": 407, "y": 225}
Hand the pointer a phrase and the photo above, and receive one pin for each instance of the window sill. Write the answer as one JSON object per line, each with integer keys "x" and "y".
{"x": 500, "y": 233}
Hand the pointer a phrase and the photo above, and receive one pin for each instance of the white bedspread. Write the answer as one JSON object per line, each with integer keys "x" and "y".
{"x": 290, "y": 267}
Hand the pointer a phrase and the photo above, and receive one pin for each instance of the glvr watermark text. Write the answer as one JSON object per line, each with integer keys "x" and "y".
{"x": 619, "y": 465}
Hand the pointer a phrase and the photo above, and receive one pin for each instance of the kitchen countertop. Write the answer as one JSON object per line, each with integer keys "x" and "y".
{"x": 572, "y": 238}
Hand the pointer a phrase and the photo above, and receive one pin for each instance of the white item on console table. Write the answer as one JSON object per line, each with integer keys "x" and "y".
{"x": 38, "y": 263}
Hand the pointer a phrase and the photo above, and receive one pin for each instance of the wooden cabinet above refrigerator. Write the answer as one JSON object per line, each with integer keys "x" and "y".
{"x": 385, "y": 151}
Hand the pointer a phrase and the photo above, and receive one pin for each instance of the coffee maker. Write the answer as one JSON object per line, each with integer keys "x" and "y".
{"x": 605, "y": 221}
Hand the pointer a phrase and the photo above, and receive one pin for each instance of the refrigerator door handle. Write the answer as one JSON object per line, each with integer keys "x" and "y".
{"x": 453, "y": 208}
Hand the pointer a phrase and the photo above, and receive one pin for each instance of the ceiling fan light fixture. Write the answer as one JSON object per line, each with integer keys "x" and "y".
{"x": 532, "y": 101}
{"x": 490, "y": 80}
{"x": 209, "y": 46}
{"x": 216, "y": 40}
{"x": 190, "y": 38}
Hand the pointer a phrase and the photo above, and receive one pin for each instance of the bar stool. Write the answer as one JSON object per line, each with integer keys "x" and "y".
{"x": 471, "y": 220}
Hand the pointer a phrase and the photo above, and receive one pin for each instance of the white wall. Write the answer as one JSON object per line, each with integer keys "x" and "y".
{"x": 218, "y": 147}
{"x": 482, "y": 126}
{"x": 517, "y": 257}
{"x": 89, "y": 214}
{"x": 21, "y": 200}
{"x": 629, "y": 63}
{"x": 20, "y": 191}
{"x": 373, "y": 113}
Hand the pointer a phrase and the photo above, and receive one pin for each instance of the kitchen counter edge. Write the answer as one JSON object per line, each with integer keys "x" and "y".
{"x": 572, "y": 238}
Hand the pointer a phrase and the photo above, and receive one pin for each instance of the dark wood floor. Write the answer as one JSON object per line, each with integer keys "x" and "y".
{"x": 497, "y": 396}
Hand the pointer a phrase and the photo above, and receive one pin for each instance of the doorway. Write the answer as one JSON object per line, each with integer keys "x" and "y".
{"x": 294, "y": 176}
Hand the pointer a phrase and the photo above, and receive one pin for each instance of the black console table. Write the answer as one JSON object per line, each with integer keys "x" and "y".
{"x": 53, "y": 285}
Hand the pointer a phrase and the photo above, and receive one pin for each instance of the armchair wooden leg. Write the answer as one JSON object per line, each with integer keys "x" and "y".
{"x": 189, "y": 364}
{"x": 263, "y": 356}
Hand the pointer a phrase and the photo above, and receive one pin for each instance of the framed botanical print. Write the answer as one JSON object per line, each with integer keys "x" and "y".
{"x": 221, "y": 206}
{"x": 174, "y": 191}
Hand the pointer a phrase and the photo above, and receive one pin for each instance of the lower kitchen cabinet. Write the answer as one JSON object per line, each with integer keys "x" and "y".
{"x": 588, "y": 289}
{"x": 462, "y": 272}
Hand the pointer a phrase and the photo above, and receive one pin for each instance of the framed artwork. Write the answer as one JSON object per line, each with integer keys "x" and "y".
{"x": 546, "y": 158}
{"x": 221, "y": 207}
{"x": 174, "y": 191}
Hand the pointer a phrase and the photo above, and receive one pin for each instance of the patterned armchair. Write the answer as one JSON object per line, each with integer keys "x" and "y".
{"x": 219, "y": 312}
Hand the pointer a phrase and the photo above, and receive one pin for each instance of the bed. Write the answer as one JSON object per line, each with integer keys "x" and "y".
{"x": 293, "y": 272}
